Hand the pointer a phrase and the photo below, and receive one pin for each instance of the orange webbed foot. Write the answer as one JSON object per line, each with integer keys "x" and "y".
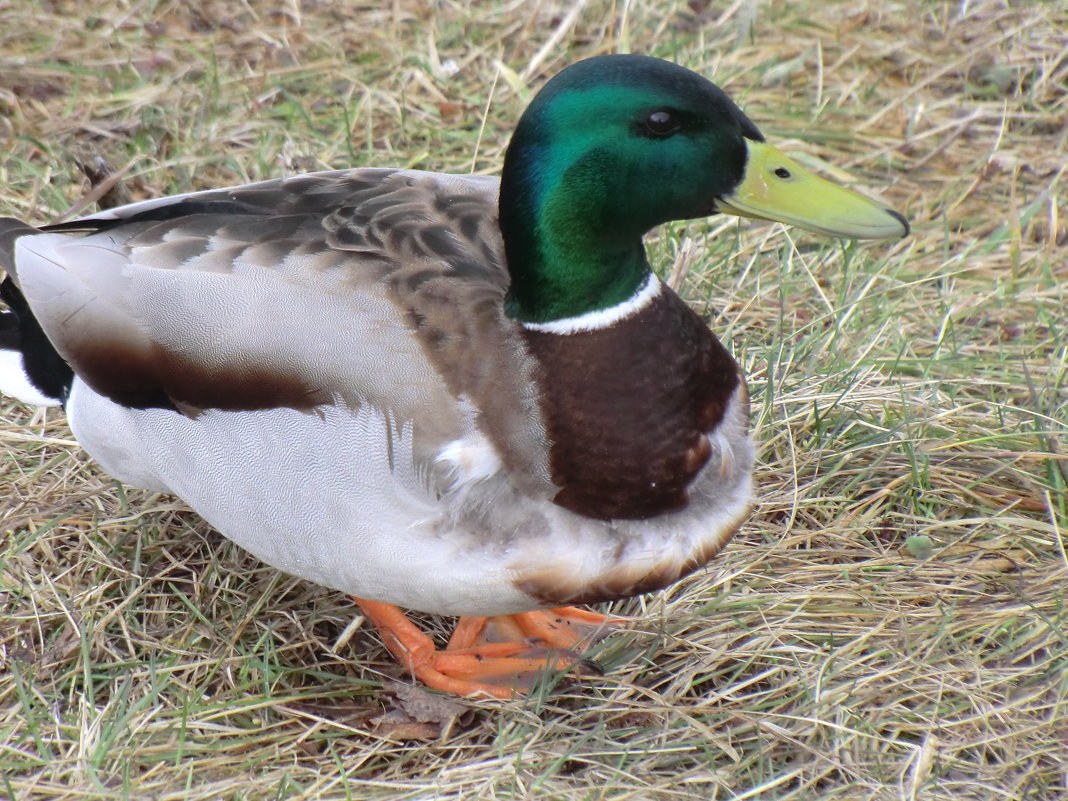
{"x": 496, "y": 656}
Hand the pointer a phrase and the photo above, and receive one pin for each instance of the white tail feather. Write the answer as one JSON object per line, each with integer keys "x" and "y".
{"x": 15, "y": 382}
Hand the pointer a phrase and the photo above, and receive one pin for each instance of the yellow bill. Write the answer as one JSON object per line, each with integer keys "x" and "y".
{"x": 775, "y": 187}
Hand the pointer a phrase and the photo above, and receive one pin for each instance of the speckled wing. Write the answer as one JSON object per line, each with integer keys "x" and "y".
{"x": 359, "y": 287}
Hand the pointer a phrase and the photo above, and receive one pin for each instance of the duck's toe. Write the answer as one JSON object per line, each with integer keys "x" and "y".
{"x": 564, "y": 627}
{"x": 500, "y": 657}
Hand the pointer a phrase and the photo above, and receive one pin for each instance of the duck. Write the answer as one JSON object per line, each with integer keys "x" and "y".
{"x": 455, "y": 394}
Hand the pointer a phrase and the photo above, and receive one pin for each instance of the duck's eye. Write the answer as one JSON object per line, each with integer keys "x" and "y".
{"x": 661, "y": 123}
{"x": 782, "y": 172}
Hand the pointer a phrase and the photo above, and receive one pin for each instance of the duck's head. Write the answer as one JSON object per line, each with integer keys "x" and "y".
{"x": 615, "y": 145}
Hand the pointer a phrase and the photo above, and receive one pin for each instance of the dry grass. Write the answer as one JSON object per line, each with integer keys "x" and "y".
{"x": 891, "y": 624}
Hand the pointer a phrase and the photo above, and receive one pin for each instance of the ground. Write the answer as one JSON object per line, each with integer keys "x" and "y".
{"x": 890, "y": 623}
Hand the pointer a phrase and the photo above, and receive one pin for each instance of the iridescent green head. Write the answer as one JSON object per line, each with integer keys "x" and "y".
{"x": 615, "y": 145}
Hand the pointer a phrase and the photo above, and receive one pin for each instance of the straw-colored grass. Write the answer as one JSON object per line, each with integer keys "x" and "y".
{"x": 890, "y": 624}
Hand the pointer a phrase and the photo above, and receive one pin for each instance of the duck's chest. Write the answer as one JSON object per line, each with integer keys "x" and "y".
{"x": 628, "y": 408}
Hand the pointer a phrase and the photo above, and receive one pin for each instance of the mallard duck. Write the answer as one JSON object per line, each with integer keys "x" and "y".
{"x": 446, "y": 393}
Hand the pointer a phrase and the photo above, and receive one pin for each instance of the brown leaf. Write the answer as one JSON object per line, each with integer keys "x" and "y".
{"x": 449, "y": 111}
{"x": 424, "y": 706}
{"x": 396, "y": 724}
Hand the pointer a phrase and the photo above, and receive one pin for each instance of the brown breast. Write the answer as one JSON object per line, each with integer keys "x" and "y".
{"x": 628, "y": 408}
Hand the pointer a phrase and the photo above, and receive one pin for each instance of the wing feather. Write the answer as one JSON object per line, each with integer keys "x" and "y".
{"x": 364, "y": 286}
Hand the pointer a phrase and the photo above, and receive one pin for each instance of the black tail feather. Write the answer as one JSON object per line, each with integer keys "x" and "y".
{"x": 20, "y": 331}
{"x": 10, "y": 332}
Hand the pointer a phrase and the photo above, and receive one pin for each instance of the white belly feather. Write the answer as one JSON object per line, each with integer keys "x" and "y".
{"x": 334, "y": 496}
{"x": 321, "y": 495}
